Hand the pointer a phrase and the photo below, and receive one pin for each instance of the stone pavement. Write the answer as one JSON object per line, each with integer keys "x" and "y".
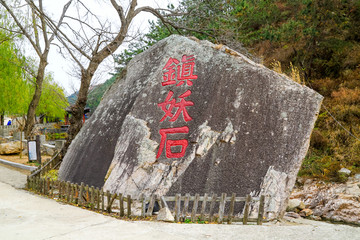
{"x": 24, "y": 215}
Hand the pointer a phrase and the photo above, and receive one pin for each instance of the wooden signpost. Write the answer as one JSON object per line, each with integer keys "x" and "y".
{"x": 34, "y": 152}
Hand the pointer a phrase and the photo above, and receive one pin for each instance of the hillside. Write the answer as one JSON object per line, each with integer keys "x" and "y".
{"x": 95, "y": 94}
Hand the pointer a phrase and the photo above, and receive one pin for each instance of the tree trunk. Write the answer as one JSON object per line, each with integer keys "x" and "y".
{"x": 2, "y": 118}
{"x": 77, "y": 110}
{"x": 31, "y": 114}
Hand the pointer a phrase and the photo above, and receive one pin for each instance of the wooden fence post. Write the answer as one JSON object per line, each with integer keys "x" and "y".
{"x": 212, "y": 206}
{"x": 203, "y": 207}
{"x": 128, "y": 206}
{"x": 92, "y": 197}
{"x": 222, "y": 207}
{"x": 72, "y": 193}
{"x": 76, "y": 193}
{"x": 246, "y": 210}
{"x": 28, "y": 182}
{"x": 97, "y": 199}
{"x": 39, "y": 185}
{"x": 102, "y": 200}
{"x": 151, "y": 206}
{"x": 121, "y": 203}
{"x": 58, "y": 183}
{"x": 43, "y": 186}
{"x": 231, "y": 210}
{"x": 261, "y": 210}
{"x": 47, "y": 186}
{"x": 142, "y": 200}
{"x": 81, "y": 192}
{"x": 112, "y": 199}
{"x": 52, "y": 188}
{"x": 67, "y": 191}
{"x": 195, "y": 206}
{"x": 186, "y": 206}
{"x": 87, "y": 200}
{"x": 177, "y": 207}
{"x": 63, "y": 194}
{"x": 108, "y": 196}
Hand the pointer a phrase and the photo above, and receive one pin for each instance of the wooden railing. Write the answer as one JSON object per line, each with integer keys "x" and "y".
{"x": 212, "y": 208}
{"x": 53, "y": 163}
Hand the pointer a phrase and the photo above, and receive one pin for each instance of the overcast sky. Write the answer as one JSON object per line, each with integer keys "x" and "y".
{"x": 61, "y": 67}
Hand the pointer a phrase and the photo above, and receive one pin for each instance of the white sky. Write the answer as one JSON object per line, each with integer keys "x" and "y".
{"x": 61, "y": 67}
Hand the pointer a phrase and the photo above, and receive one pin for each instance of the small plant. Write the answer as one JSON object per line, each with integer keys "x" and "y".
{"x": 187, "y": 220}
{"x": 52, "y": 175}
{"x": 276, "y": 66}
{"x": 201, "y": 221}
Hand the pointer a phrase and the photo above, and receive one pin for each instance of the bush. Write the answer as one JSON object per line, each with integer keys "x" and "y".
{"x": 52, "y": 175}
{"x": 318, "y": 141}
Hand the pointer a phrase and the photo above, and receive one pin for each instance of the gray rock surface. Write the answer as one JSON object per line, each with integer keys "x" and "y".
{"x": 332, "y": 201}
{"x": 295, "y": 203}
{"x": 233, "y": 125}
{"x": 345, "y": 171}
{"x": 165, "y": 215}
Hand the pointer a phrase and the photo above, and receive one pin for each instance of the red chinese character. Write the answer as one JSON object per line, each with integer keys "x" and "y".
{"x": 187, "y": 70}
{"x": 164, "y": 107}
{"x": 171, "y": 143}
{"x": 180, "y": 105}
{"x": 182, "y": 73}
{"x": 170, "y": 74}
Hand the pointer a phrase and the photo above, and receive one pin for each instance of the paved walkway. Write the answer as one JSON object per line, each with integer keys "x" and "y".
{"x": 27, "y": 216}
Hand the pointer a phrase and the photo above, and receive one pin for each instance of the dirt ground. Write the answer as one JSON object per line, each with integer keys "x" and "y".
{"x": 22, "y": 160}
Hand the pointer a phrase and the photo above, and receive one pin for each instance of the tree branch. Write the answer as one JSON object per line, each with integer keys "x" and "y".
{"x": 119, "y": 10}
{"x": 22, "y": 28}
{"x": 36, "y": 32}
{"x": 43, "y": 24}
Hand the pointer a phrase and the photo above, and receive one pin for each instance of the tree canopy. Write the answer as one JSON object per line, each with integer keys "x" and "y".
{"x": 17, "y": 85}
{"x": 14, "y": 99}
{"x": 52, "y": 101}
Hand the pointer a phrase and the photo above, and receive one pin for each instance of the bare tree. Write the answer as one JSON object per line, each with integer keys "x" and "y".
{"x": 40, "y": 39}
{"x": 89, "y": 40}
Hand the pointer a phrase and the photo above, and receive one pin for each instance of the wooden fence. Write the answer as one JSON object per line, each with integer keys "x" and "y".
{"x": 212, "y": 207}
{"x": 14, "y": 126}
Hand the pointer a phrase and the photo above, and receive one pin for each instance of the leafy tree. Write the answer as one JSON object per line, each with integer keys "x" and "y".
{"x": 14, "y": 97}
{"x": 33, "y": 27}
{"x": 53, "y": 101}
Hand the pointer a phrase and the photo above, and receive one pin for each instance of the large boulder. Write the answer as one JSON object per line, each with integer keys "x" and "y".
{"x": 188, "y": 116}
{"x": 10, "y": 148}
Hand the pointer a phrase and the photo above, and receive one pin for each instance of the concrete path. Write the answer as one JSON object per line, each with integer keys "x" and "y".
{"x": 27, "y": 216}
